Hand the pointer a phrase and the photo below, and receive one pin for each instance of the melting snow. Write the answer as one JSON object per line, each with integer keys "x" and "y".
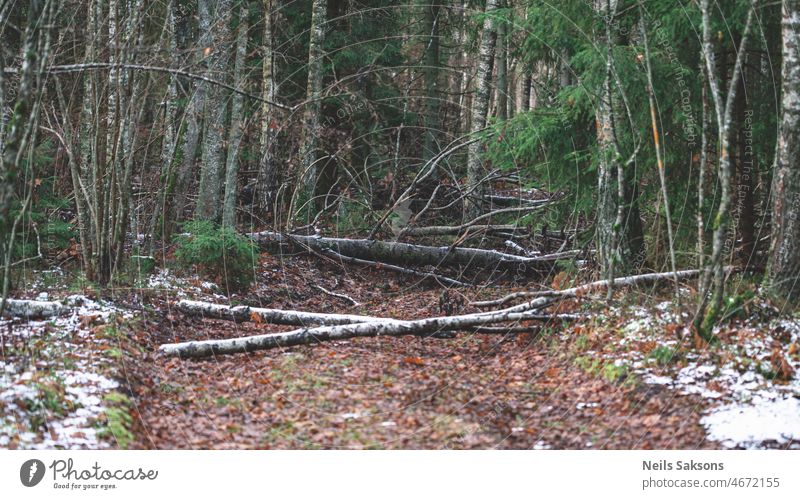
{"x": 747, "y": 409}
{"x": 749, "y": 426}
{"x": 63, "y": 360}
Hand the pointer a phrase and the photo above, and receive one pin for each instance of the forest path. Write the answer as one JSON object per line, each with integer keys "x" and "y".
{"x": 474, "y": 391}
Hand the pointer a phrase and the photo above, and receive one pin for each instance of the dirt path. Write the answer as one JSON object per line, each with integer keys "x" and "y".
{"x": 475, "y": 391}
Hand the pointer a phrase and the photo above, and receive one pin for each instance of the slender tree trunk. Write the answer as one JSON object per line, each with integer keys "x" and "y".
{"x": 701, "y": 179}
{"x": 618, "y": 227}
{"x": 480, "y": 107}
{"x": 662, "y": 175}
{"x": 22, "y": 128}
{"x": 235, "y": 137}
{"x": 268, "y": 174}
{"x": 304, "y": 200}
{"x": 705, "y": 318}
{"x": 501, "y": 88}
{"x": 215, "y": 111}
{"x": 431, "y": 10}
{"x": 784, "y": 265}
{"x": 745, "y": 174}
{"x": 527, "y": 86}
{"x": 160, "y": 218}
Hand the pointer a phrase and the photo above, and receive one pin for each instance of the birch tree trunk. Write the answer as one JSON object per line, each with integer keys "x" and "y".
{"x": 235, "y": 138}
{"x": 303, "y": 201}
{"x": 414, "y": 254}
{"x": 784, "y": 265}
{"x": 215, "y": 111}
{"x": 480, "y": 106}
{"x": 617, "y": 219}
{"x": 267, "y": 181}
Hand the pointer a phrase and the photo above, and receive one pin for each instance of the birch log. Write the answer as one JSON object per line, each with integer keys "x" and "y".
{"x": 33, "y": 309}
{"x": 208, "y": 348}
{"x": 413, "y": 254}
{"x": 243, "y": 313}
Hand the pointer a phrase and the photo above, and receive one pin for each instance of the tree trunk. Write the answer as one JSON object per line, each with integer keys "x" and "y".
{"x": 413, "y": 254}
{"x": 784, "y": 265}
{"x": 268, "y": 174}
{"x": 706, "y": 318}
{"x": 303, "y": 202}
{"x": 22, "y": 129}
{"x": 243, "y": 313}
{"x": 745, "y": 174}
{"x": 618, "y": 238}
{"x": 480, "y": 106}
{"x": 160, "y": 218}
{"x": 215, "y": 111}
{"x": 430, "y": 71}
{"x": 236, "y": 129}
{"x": 501, "y": 89}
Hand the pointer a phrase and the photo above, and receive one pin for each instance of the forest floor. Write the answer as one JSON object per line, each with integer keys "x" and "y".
{"x": 625, "y": 377}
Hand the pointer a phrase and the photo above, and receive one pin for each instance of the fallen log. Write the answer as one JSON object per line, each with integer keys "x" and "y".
{"x": 308, "y": 336}
{"x": 414, "y": 254}
{"x": 547, "y": 298}
{"x": 472, "y": 225}
{"x": 402, "y": 270}
{"x": 243, "y": 313}
{"x": 33, "y": 309}
{"x": 447, "y": 230}
{"x": 383, "y": 327}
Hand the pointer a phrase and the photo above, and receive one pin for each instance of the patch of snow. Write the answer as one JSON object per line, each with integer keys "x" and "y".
{"x": 749, "y": 426}
{"x": 67, "y": 361}
{"x": 541, "y": 445}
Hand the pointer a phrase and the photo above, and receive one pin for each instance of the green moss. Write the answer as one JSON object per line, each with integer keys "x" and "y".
{"x": 117, "y": 420}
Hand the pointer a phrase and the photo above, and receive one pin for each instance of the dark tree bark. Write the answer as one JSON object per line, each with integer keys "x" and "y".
{"x": 784, "y": 267}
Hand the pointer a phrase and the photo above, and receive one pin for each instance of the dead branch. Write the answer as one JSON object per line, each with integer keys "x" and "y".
{"x": 336, "y": 295}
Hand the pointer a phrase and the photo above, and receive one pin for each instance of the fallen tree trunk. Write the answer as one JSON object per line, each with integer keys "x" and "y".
{"x": 390, "y": 327}
{"x": 243, "y": 313}
{"x": 208, "y": 348}
{"x": 402, "y": 270}
{"x": 413, "y": 254}
{"x": 33, "y": 309}
{"x": 446, "y": 230}
{"x": 547, "y": 298}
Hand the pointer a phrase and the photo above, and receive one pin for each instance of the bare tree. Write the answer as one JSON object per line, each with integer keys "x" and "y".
{"x": 723, "y": 112}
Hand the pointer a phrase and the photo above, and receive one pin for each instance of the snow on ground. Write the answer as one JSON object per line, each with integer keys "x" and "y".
{"x": 165, "y": 280}
{"x": 748, "y": 406}
{"x": 52, "y": 381}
